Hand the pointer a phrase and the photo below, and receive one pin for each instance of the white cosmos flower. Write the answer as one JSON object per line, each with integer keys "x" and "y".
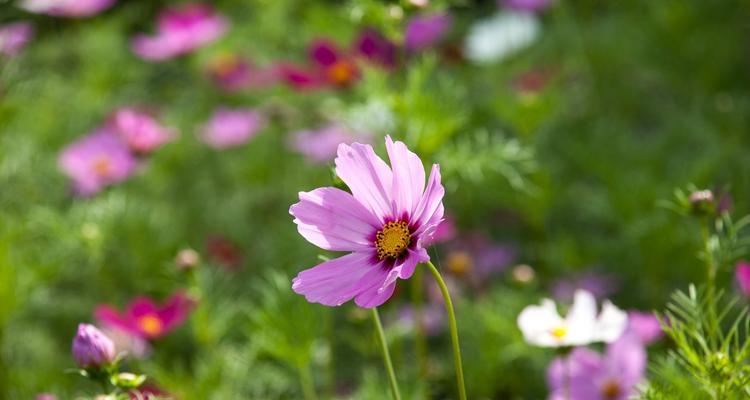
{"x": 501, "y": 35}
{"x": 541, "y": 325}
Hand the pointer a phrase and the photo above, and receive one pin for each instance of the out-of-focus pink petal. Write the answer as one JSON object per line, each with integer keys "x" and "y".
{"x": 368, "y": 177}
{"x": 142, "y": 306}
{"x": 742, "y": 275}
{"x": 232, "y": 127}
{"x": 14, "y": 37}
{"x": 426, "y": 30}
{"x": 332, "y": 219}
{"x": 110, "y": 317}
{"x": 374, "y": 47}
{"x": 175, "y": 311}
{"x": 626, "y": 359}
{"x": 324, "y": 53}
{"x": 645, "y": 326}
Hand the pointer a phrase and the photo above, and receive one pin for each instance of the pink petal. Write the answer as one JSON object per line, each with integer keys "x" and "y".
{"x": 375, "y": 296}
{"x": 742, "y": 275}
{"x": 429, "y": 211}
{"x": 140, "y": 307}
{"x": 368, "y": 177}
{"x": 175, "y": 311}
{"x": 337, "y": 281}
{"x": 408, "y": 177}
{"x": 110, "y": 317}
{"x": 332, "y": 219}
{"x": 324, "y": 53}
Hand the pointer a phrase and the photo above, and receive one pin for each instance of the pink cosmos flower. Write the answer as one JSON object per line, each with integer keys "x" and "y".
{"x": 386, "y": 223}
{"x": 592, "y": 376}
{"x": 91, "y": 348}
{"x": 742, "y": 276}
{"x": 232, "y": 127}
{"x": 140, "y": 131}
{"x": 96, "y": 161}
{"x": 645, "y": 326}
{"x": 328, "y": 67}
{"x": 14, "y": 37}
{"x": 67, "y": 8}
{"x": 526, "y": 5}
{"x": 232, "y": 73}
{"x": 375, "y": 48}
{"x": 180, "y": 30}
{"x": 145, "y": 319}
{"x": 319, "y": 146}
{"x": 426, "y": 30}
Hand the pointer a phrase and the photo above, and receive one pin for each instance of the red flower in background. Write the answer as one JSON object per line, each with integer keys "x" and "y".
{"x": 225, "y": 252}
{"x": 144, "y": 318}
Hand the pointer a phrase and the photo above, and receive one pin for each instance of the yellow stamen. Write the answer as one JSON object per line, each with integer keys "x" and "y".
{"x": 559, "y": 332}
{"x": 393, "y": 239}
{"x": 151, "y": 325}
{"x": 459, "y": 262}
{"x": 102, "y": 166}
{"x": 611, "y": 389}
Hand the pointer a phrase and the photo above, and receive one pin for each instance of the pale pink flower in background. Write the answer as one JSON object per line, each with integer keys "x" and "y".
{"x": 14, "y": 37}
{"x": 232, "y": 73}
{"x": 232, "y": 127}
{"x": 446, "y": 231}
{"x": 645, "y": 326}
{"x": 67, "y": 8}
{"x": 385, "y": 224}
{"x": 127, "y": 343}
{"x": 141, "y": 131}
{"x": 180, "y": 30}
{"x": 319, "y": 146}
{"x": 96, "y": 161}
{"x": 45, "y": 396}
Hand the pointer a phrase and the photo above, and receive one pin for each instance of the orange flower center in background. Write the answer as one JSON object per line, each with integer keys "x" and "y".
{"x": 341, "y": 72}
{"x": 611, "y": 389}
{"x": 393, "y": 239}
{"x": 559, "y": 332}
{"x": 459, "y": 262}
{"x": 150, "y": 324}
{"x": 224, "y": 64}
{"x": 102, "y": 166}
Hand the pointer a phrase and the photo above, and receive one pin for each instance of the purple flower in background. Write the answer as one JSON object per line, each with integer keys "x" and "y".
{"x": 599, "y": 285}
{"x": 232, "y": 127}
{"x": 375, "y": 48}
{"x": 145, "y": 319}
{"x": 91, "y": 348}
{"x": 319, "y": 146}
{"x": 645, "y": 326}
{"x": 96, "y": 161}
{"x": 478, "y": 259}
{"x": 14, "y": 37}
{"x": 385, "y": 223}
{"x": 526, "y": 5}
{"x": 592, "y": 376}
{"x": 433, "y": 318}
{"x": 426, "y": 30}
{"x": 742, "y": 275}
{"x": 180, "y": 30}
{"x": 140, "y": 131}
{"x": 67, "y": 8}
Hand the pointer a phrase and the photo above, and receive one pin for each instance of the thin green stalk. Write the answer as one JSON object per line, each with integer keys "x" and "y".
{"x": 386, "y": 355}
{"x": 454, "y": 331}
{"x": 710, "y": 279}
{"x": 421, "y": 336}
{"x": 306, "y": 381}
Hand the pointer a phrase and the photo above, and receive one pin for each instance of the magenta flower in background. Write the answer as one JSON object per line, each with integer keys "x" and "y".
{"x": 526, "y": 5}
{"x": 385, "y": 223}
{"x": 319, "y": 146}
{"x": 600, "y": 285}
{"x": 645, "y": 326}
{"x": 91, "y": 348}
{"x": 96, "y": 161}
{"x": 742, "y": 275}
{"x": 140, "y": 131}
{"x": 592, "y": 376}
{"x": 328, "y": 66}
{"x": 426, "y": 30}
{"x": 14, "y": 37}
{"x": 231, "y": 127}
{"x": 180, "y": 30}
{"x": 67, "y": 8}
{"x": 145, "y": 319}
{"x": 375, "y": 48}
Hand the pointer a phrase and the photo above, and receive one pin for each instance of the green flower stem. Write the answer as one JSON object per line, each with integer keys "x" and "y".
{"x": 710, "y": 277}
{"x": 386, "y": 354}
{"x": 421, "y": 336}
{"x": 454, "y": 331}
{"x": 306, "y": 381}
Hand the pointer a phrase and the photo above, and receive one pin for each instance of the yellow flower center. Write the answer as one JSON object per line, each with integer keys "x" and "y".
{"x": 459, "y": 262}
{"x": 611, "y": 389}
{"x": 341, "y": 72}
{"x": 393, "y": 239}
{"x": 225, "y": 63}
{"x": 559, "y": 332}
{"x": 150, "y": 324}
{"x": 102, "y": 166}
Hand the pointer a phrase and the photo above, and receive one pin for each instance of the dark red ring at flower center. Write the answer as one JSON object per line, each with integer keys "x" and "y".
{"x": 393, "y": 239}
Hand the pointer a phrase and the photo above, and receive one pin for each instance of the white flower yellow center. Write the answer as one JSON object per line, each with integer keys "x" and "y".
{"x": 393, "y": 239}
{"x": 559, "y": 332}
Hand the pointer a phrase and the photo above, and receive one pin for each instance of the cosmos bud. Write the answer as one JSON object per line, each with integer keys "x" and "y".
{"x": 702, "y": 203}
{"x": 91, "y": 348}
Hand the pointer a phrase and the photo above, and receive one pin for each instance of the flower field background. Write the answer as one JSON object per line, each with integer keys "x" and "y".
{"x": 150, "y": 152}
